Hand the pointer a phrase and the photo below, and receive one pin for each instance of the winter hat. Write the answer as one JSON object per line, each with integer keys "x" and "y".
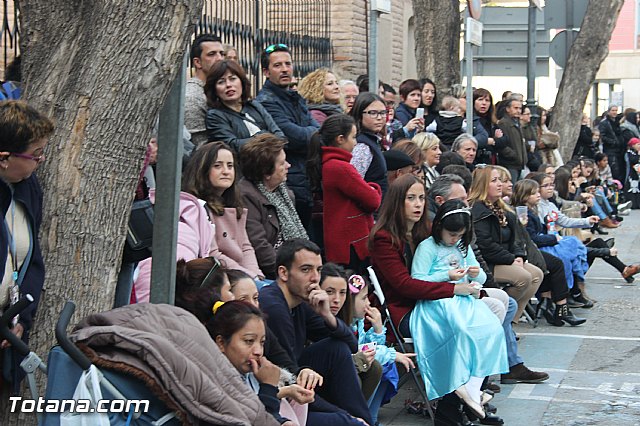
{"x": 632, "y": 142}
{"x": 396, "y": 160}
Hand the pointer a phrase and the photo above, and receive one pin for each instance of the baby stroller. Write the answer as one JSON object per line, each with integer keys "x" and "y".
{"x": 66, "y": 366}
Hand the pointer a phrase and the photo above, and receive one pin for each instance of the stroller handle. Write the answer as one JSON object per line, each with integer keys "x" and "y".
{"x": 7, "y": 316}
{"x": 63, "y": 339}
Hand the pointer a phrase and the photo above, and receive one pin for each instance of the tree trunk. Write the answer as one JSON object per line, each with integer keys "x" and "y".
{"x": 437, "y": 32}
{"x": 102, "y": 70}
{"x": 588, "y": 51}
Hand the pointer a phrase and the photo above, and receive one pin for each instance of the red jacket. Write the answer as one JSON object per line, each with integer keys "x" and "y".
{"x": 349, "y": 202}
{"x": 400, "y": 290}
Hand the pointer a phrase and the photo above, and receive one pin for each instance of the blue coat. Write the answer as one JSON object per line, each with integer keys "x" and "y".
{"x": 29, "y": 194}
{"x": 289, "y": 111}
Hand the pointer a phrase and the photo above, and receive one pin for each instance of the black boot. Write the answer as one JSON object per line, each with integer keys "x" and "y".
{"x": 595, "y": 229}
{"x": 449, "y": 412}
{"x": 549, "y": 314}
{"x": 563, "y": 314}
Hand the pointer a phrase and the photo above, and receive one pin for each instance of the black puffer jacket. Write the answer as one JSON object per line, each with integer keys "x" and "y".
{"x": 489, "y": 237}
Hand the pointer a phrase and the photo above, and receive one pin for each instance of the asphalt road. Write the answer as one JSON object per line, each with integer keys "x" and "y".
{"x": 594, "y": 368}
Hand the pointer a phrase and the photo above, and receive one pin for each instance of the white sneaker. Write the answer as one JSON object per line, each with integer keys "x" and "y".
{"x": 624, "y": 206}
{"x": 624, "y": 212}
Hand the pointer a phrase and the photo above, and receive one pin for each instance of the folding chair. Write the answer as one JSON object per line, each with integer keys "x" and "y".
{"x": 377, "y": 289}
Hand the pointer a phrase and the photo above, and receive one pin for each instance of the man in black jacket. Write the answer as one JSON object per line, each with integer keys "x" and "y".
{"x": 289, "y": 111}
{"x": 611, "y": 137}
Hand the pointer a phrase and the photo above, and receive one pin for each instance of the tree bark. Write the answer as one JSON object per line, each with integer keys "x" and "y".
{"x": 437, "y": 32}
{"x": 101, "y": 69}
{"x": 588, "y": 51}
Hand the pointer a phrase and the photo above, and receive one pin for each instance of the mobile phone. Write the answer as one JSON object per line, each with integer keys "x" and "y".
{"x": 420, "y": 113}
{"x": 367, "y": 346}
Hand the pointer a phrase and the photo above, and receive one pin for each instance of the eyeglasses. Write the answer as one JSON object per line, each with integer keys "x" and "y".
{"x": 376, "y": 114}
{"x": 37, "y": 159}
{"x": 275, "y": 47}
{"x": 206, "y": 281}
{"x": 390, "y": 103}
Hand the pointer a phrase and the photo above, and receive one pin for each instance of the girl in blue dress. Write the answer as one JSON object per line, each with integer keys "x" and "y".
{"x": 465, "y": 339}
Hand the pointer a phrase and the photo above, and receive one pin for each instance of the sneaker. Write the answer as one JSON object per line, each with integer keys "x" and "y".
{"x": 521, "y": 374}
{"x": 573, "y": 303}
{"x": 624, "y": 206}
{"x": 586, "y": 303}
{"x": 624, "y": 212}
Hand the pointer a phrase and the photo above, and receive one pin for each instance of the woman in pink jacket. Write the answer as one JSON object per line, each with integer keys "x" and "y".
{"x": 211, "y": 176}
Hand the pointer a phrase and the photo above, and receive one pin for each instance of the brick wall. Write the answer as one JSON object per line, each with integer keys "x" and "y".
{"x": 348, "y": 36}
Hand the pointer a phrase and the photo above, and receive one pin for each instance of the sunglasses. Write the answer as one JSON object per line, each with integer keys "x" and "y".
{"x": 208, "y": 278}
{"x": 272, "y": 48}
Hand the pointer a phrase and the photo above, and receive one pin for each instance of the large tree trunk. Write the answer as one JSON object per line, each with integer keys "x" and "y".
{"x": 588, "y": 51}
{"x": 101, "y": 69}
{"x": 437, "y": 32}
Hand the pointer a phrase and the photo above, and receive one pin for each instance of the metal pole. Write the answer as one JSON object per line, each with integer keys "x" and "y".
{"x": 165, "y": 225}
{"x": 468, "y": 60}
{"x": 531, "y": 64}
{"x": 594, "y": 101}
{"x": 373, "y": 49}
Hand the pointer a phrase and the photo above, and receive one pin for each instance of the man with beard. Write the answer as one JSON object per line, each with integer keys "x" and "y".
{"x": 298, "y": 310}
{"x": 289, "y": 111}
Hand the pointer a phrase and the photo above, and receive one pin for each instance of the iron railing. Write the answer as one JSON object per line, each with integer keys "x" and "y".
{"x": 248, "y": 25}
{"x": 252, "y": 25}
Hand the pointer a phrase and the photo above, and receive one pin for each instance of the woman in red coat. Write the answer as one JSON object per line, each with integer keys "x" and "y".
{"x": 349, "y": 201}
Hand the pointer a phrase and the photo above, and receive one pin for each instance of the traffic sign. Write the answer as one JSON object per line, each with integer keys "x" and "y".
{"x": 560, "y": 46}
{"x": 561, "y": 14}
{"x": 473, "y": 31}
{"x": 475, "y": 8}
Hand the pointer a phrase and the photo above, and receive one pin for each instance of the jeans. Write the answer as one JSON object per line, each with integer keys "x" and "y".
{"x": 510, "y": 336}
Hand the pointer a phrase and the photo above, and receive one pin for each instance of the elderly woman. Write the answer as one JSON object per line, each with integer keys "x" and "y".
{"x": 272, "y": 217}
{"x": 349, "y": 90}
{"x": 322, "y": 92}
{"x": 233, "y": 117}
{"x": 467, "y": 146}
{"x": 430, "y": 146}
{"x": 24, "y": 133}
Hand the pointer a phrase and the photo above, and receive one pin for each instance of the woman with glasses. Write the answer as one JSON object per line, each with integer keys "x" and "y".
{"x": 370, "y": 113}
{"x": 322, "y": 92}
{"x": 24, "y": 133}
{"x": 211, "y": 176}
{"x": 233, "y": 118}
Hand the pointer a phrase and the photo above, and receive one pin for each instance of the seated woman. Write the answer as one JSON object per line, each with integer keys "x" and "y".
{"x": 211, "y": 176}
{"x": 349, "y": 201}
{"x": 233, "y": 117}
{"x": 497, "y": 237}
{"x": 272, "y": 217}
{"x": 401, "y": 226}
{"x": 238, "y": 328}
{"x": 555, "y": 284}
{"x": 321, "y": 90}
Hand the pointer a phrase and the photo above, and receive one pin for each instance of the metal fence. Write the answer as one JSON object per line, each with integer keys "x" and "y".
{"x": 248, "y": 25}
{"x": 252, "y": 25}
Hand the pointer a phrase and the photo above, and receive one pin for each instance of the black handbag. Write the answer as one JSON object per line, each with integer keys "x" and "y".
{"x": 139, "y": 240}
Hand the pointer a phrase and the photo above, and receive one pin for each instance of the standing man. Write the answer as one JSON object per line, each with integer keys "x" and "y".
{"x": 612, "y": 143}
{"x": 205, "y": 52}
{"x": 289, "y": 111}
{"x": 513, "y": 155}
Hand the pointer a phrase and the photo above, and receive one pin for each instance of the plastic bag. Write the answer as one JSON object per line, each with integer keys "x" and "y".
{"x": 88, "y": 388}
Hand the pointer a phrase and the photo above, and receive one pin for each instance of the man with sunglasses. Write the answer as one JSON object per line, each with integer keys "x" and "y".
{"x": 289, "y": 111}
{"x": 206, "y": 51}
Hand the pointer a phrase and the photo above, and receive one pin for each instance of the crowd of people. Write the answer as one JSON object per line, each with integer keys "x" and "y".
{"x": 288, "y": 197}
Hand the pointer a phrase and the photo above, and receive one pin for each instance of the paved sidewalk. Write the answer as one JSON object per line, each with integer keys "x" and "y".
{"x": 593, "y": 368}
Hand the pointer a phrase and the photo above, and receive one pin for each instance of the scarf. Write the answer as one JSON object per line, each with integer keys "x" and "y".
{"x": 290, "y": 225}
{"x": 496, "y": 210}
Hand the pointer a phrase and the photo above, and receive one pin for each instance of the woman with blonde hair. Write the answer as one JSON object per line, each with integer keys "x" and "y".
{"x": 507, "y": 184}
{"x": 430, "y": 146}
{"x": 322, "y": 92}
{"x": 497, "y": 237}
